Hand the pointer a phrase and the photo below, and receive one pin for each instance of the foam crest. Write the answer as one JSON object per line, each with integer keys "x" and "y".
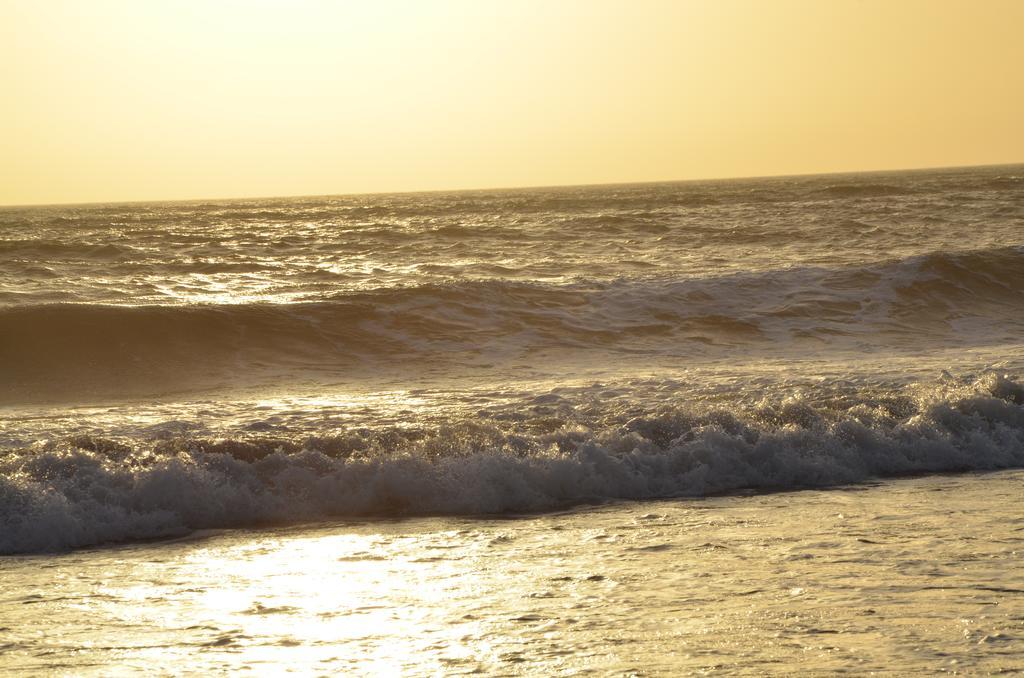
{"x": 83, "y": 492}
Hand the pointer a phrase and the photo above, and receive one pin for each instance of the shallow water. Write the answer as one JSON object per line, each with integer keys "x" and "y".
{"x": 907, "y": 577}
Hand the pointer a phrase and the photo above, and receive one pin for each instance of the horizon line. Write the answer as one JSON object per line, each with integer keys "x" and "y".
{"x": 510, "y": 188}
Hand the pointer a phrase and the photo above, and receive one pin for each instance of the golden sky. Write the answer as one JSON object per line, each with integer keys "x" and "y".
{"x": 143, "y": 99}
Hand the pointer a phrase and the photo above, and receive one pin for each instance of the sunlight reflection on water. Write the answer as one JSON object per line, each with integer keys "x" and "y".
{"x": 861, "y": 579}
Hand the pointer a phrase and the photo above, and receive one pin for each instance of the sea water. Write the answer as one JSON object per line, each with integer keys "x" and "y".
{"x": 644, "y": 429}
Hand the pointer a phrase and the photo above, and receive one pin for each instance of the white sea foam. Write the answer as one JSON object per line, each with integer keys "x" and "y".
{"x": 66, "y": 496}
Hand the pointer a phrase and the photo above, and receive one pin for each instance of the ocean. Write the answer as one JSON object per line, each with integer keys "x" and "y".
{"x": 744, "y": 426}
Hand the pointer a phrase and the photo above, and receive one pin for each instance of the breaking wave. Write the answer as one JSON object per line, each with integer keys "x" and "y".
{"x": 89, "y": 491}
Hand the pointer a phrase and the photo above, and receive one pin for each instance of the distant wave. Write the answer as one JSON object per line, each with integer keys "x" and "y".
{"x": 1008, "y": 181}
{"x": 940, "y": 299}
{"x": 89, "y": 491}
{"x": 864, "y": 190}
{"x": 48, "y": 249}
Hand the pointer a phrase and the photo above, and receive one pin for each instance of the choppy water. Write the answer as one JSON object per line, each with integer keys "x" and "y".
{"x": 173, "y": 367}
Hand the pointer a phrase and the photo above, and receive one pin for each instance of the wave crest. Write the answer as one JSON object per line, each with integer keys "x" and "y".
{"x": 87, "y": 491}
{"x": 936, "y": 300}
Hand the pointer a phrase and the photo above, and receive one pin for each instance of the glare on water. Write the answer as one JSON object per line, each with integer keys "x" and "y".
{"x": 912, "y": 576}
